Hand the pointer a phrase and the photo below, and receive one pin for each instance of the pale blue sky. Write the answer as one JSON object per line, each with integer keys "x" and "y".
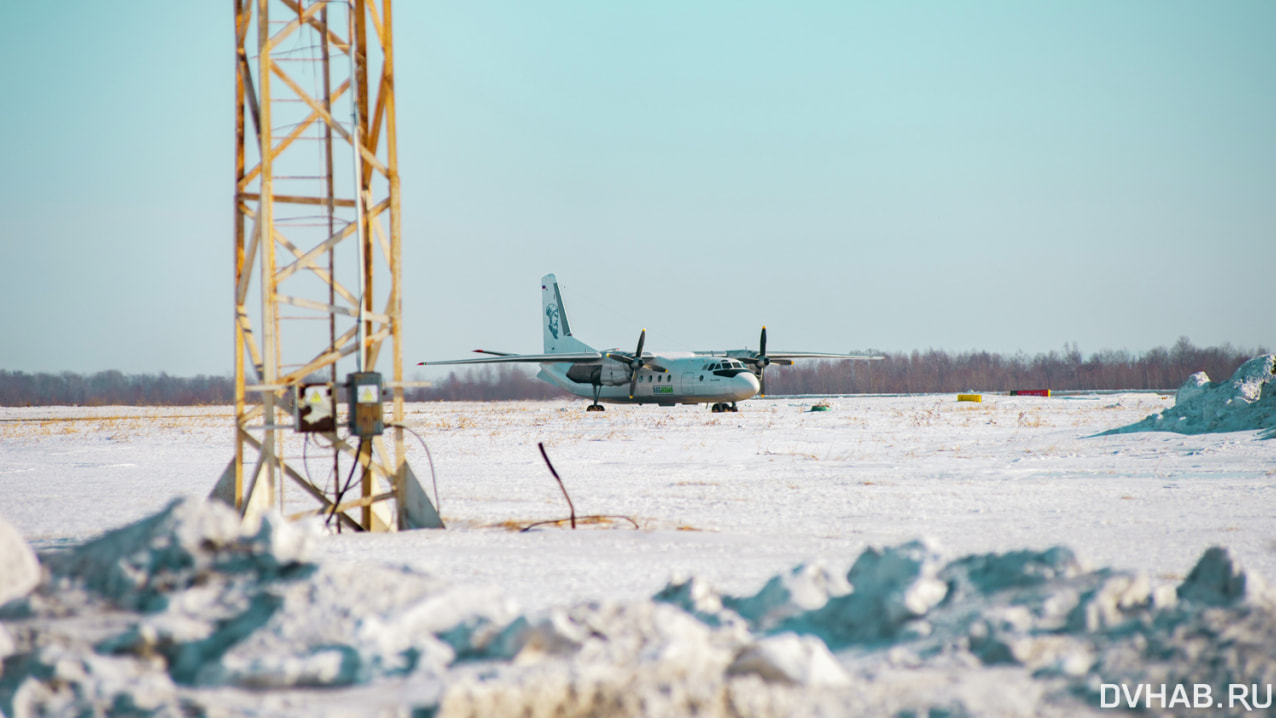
{"x": 1002, "y": 176}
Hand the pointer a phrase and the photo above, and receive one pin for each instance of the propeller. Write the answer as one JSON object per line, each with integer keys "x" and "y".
{"x": 762, "y": 361}
{"x": 636, "y": 362}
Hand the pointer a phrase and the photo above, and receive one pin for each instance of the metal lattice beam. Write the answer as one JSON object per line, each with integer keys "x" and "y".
{"x": 316, "y": 181}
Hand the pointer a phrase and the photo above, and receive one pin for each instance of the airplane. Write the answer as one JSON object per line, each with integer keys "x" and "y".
{"x": 720, "y": 379}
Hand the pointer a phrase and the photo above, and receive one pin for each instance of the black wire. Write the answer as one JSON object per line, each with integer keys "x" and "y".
{"x": 340, "y": 494}
{"x": 305, "y": 462}
{"x": 433, "y": 479}
{"x": 305, "y": 459}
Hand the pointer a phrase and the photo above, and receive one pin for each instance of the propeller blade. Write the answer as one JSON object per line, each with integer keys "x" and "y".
{"x": 762, "y": 380}
{"x": 657, "y": 367}
{"x": 762, "y": 343}
{"x": 641, "y": 338}
{"x": 620, "y": 356}
{"x": 782, "y": 362}
{"x": 633, "y": 384}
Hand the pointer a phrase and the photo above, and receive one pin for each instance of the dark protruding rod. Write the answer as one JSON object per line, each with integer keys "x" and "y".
{"x": 541, "y": 445}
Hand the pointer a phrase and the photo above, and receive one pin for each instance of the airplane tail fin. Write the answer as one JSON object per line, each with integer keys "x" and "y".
{"x": 557, "y": 330}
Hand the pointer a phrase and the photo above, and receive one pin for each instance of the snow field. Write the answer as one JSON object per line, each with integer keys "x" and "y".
{"x": 732, "y": 498}
{"x": 778, "y": 544}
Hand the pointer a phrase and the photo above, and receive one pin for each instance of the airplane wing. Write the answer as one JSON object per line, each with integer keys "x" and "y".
{"x": 498, "y": 358}
{"x": 749, "y": 354}
{"x": 819, "y": 355}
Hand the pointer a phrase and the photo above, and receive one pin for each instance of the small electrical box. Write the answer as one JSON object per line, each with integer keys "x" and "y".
{"x": 313, "y": 409}
{"x": 366, "y": 413}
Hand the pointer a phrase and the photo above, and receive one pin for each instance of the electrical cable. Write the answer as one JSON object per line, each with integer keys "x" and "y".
{"x": 433, "y": 478}
{"x": 305, "y": 462}
{"x": 341, "y": 494}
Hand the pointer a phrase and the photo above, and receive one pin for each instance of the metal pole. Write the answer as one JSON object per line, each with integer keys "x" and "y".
{"x": 240, "y": 63}
{"x": 265, "y": 226}
{"x": 332, "y": 224}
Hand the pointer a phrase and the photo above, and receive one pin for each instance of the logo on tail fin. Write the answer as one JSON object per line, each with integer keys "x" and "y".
{"x": 551, "y": 311}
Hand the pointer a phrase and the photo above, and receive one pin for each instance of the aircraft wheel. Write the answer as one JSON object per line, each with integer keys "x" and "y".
{"x": 595, "y": 407}
{"x": 716, "y": 408}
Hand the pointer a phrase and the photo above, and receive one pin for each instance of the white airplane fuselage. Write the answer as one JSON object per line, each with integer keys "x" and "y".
{"x": 689, "y": 379}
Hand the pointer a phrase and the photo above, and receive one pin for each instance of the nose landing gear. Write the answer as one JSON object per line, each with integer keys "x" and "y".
{"x": 596, "y": 406}
{"x": 721, "y": 407}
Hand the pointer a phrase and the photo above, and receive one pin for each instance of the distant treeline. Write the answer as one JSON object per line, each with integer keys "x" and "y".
{"x": 899, "y": 373}
{"x": 488, "y": 383}
{"x": 111, "y": 388}
{"x": 938, "y": 371}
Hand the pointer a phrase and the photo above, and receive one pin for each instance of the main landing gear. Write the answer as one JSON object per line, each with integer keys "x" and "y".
{"x": 596, "y": 406}
{"x": 721, "y": 407}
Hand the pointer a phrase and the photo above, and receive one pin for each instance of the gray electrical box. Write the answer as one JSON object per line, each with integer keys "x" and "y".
{"x": 366, "y": 412}
{"x": 314, "y": 408}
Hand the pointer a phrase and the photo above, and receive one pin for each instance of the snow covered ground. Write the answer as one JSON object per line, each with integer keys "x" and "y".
{"x": 733, "y": 500}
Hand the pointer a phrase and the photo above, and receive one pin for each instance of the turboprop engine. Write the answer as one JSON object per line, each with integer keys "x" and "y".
{"x": 609, "y": 373}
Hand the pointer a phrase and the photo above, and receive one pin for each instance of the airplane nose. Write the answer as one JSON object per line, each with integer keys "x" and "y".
{"x": 745, "y": 385}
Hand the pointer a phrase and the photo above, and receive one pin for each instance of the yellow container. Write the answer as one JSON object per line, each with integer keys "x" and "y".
{"x": 970, "y": 397}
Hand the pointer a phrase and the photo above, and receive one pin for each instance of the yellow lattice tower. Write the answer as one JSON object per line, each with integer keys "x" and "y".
{"x": 316, "y": 181}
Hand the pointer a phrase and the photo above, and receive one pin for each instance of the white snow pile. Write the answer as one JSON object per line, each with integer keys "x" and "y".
{"x": 192, "y": 598}
{"x": 19, "y": 569}
{"x": 1246, "y": 402}
{"x": 174, "y": 614}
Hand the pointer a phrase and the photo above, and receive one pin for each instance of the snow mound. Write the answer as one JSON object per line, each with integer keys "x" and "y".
{"x": 144, "y": 566}
{"x": 19, "y": 569}
{"x": 177, "y": 612}
{"x": 194, "y": 598}
{"x": 623, "y": 659}
{"x": 1246, "y": 402}
{"x": 1038, "y": 614}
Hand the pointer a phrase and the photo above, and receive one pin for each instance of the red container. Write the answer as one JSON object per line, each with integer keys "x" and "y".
{"x": 1031, "y": 392}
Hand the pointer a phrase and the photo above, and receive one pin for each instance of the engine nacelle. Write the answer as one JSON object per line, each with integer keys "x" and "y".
{"x": 608, "y": 373}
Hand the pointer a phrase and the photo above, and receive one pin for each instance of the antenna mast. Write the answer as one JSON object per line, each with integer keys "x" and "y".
{"x": 312, "y": 253}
